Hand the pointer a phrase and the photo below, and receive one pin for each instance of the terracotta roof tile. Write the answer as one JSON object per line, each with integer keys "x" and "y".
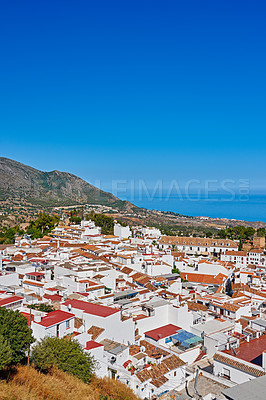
{"x": 153, "y": 351}
{"x": 159, "y": 382}
{"x": 196, "y": 306}
{"x": 95, "y": 331}
{"x": 236, "y": 363}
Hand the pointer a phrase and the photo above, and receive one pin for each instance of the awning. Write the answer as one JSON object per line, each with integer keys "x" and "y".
{"x": 185, "y": 338}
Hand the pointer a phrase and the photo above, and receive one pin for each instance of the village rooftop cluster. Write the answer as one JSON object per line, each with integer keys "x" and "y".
{"x": 165, "y": 315}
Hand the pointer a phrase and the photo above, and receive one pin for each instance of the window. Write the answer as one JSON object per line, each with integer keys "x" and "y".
{"x": 67, "y": 324}
{"x": 226, "y": 373}
{"x": 175, "y": 373}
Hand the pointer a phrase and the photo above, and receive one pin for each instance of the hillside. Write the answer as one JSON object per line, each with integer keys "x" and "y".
{"x": 28, "y": 185}
{"x": 28, "y": 384}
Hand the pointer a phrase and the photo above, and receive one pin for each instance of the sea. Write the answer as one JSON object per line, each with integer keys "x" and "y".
{"x": 248, "y": 207}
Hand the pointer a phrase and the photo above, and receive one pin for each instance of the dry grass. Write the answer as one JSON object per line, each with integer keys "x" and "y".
{"x": 29, "y": 384}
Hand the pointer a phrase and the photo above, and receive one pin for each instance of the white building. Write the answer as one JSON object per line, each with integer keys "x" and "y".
{"x": 123, "y": 232}
{"x": 55, "y": 324}
{"x": 104, "y": 317}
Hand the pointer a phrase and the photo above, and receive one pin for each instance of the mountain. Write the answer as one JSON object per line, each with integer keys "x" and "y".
{"x": 19, "y": 182}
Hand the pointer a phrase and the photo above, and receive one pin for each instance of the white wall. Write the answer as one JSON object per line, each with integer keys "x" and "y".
{"x": 115, "y": 329}
{"x": 236, "y": 375}
{"x": 39, "y": 331}
{"x": 10, "y": 279}
{"x": 123, "y": 232}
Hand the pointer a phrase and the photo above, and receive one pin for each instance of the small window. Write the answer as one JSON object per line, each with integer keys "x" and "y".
{"x": 175, "y": 373}
{"x": 67, "y": 324}
{"x": 226, "y": 373}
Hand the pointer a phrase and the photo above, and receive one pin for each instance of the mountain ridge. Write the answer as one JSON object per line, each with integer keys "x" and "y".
{"x": 50, "y": 188}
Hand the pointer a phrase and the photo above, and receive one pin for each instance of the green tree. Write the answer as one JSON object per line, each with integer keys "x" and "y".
{"x": 239, "y": 231}
{"x": 104, "y": 221}
{"x": 261, "y": 232}
{"x": 175, "y": 271}
{"x": 7, "y": 235}
{"x": 75, "y": 219}
{"x": 43, "y": 225}
{"x": 249, "y": 233}
{"x": 65, "y": 354}
{"x": 5, "y": 353}
{"x": 222, "y": 234}
{"x": 14, "y": 329}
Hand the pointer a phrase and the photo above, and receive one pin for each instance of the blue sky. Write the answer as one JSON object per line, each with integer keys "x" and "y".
{"x": 116, "y": 90}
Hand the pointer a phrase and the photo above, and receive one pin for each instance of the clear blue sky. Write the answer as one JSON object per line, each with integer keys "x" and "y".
{"x": 135, "y": 89}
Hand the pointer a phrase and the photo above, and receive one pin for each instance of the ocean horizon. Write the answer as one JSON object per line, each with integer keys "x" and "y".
{"x": 248, "y": 207}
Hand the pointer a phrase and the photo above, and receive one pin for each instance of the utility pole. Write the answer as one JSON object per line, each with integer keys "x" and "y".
{"x": 28, "y": 361}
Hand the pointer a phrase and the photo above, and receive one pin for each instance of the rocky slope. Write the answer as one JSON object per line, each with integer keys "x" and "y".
{"x": 24, "y": 183}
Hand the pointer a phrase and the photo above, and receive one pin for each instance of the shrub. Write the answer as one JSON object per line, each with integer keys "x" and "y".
{"x": 67, "y": 355}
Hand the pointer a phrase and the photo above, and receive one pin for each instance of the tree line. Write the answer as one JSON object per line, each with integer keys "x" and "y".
{"x": 240, "y": 233}
{"x": 37, "y": 228}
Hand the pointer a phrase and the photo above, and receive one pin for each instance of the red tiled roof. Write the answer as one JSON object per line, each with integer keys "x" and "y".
{"x": 200, "y": 356}
{"x": 91, "y": 308}
{"x": 249, "y": 350}
{"x": 91, "y": 344}
{"x": 203, "y": 278}
{"x": 35, "y": 273}
{"x": 196, "y": 306}
{"x": 18, "y": 257}
{"x": 53, "y": 297}
{"x": 127, "y": 363}
{"x": 236, "y": 253}
{"x": 55, "y": 317}
{"x": 10, "y": 300}
{"x": 162, "y": 332}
